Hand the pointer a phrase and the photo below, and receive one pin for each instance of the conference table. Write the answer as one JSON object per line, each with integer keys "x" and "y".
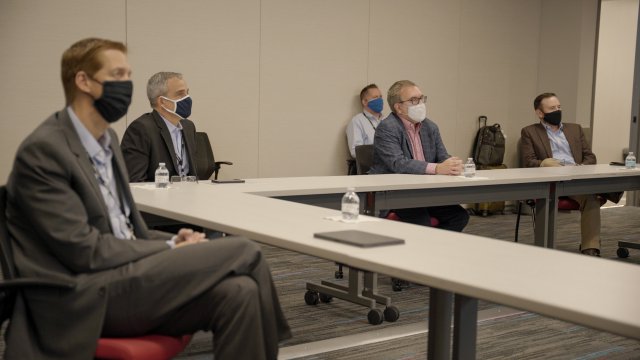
{"x": 455, "y": 265}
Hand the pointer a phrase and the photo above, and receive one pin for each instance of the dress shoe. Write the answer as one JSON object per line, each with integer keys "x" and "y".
{"x": 591, "y": 252}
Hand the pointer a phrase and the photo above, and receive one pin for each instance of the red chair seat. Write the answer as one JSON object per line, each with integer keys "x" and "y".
{"x": 393, "y": 216}
{"x": 567, "y": 204}
{"x": 148, "y": 347}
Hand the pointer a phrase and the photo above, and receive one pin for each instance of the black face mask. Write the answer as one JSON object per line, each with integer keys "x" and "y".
{"x": 553, "y": 117}
{"x": 115, "y": 99}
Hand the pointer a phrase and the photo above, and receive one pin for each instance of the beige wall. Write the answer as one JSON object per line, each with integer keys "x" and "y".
{"x": 614, "y": 79}
{"x": 275, "y": 82}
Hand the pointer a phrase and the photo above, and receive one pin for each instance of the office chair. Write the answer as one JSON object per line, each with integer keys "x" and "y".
{"x": 206, "y": 165}
{"x": 564, "y": 203}
{"x": 364, "y": 160}
{"x": 146, "y": 347}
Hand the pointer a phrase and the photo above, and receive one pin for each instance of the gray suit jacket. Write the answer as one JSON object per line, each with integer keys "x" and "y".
{"x": 535, "y": 145}
{"x": 392, "y": 148}
{"x": 61, "y": 230}
{"x": 147, "y": 142}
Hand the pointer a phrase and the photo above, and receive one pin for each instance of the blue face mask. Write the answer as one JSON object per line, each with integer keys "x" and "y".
{"x": 376, "y": 105}
{"x": 182, "y": 106}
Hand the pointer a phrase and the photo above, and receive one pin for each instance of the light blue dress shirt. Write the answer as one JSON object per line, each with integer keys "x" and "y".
{"x": 361, "y": 130}
{"x": 101, "y": 156}
{"x": 559, "y": 144}
{"x": 179, "y": 147}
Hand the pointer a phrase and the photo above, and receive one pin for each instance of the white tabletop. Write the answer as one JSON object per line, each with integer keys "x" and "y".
{"x": 584, "y": 290}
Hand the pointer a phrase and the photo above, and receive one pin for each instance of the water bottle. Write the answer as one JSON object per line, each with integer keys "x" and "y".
{"x": 350, "y": 205}
{"x": 630, "y": 161}
{"x": 162, "y": 176}
{"x": 469, "y": 168}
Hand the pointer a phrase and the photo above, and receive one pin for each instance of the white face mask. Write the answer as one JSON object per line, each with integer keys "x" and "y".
{"x": 417, "y": 113}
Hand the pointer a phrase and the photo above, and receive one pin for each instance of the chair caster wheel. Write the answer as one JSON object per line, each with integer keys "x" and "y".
{"x": 398, "y": 285}
{"x": 311, "y": 297}
{"x": 622, "y": 252}
{"x": 325, "y": 298}
{"x": 338, "y": 274}
{"x": 375, "y": 316}
{"x": 391, "y": 313}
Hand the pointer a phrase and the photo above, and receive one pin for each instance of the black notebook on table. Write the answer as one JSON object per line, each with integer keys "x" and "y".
{"x": 359, "y": 238}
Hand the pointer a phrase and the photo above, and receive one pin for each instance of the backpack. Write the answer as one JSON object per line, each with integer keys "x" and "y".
{"x": 489, "y": 145}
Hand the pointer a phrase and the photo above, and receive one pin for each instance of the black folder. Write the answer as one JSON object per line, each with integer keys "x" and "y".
{"x": 359, "y": 238}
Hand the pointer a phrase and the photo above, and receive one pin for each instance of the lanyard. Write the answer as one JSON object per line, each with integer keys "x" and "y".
{"x": 180, "y": 157}
{"x": 104, "y": 184}
{"x": 370, "y": 122}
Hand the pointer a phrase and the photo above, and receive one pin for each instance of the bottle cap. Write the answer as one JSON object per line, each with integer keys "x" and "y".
{"x": 162, "y": 164}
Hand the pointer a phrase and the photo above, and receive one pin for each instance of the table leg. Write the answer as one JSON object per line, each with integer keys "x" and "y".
{"x": 465, "y": 326}
{"x": 439, "y": 337}
{"x": 545, "y": 219}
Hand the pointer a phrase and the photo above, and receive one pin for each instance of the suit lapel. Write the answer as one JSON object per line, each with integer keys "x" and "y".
{"x": 575, "y": 146}
{"x": 166, "y": 138}
{"x": 406, "y": 144}
{"x": 190, "y": 144}
{"x": 544, "y": 140}
{"x": 84, "y": 162}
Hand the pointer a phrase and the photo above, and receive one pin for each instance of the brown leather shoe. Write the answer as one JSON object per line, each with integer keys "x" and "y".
{"x": 591, "y": 252}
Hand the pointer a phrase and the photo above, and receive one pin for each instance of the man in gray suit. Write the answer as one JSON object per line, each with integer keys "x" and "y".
{"x": 406, "y": 142}
{"x": 163, "y": 135}
{"x": 72, "y": 218}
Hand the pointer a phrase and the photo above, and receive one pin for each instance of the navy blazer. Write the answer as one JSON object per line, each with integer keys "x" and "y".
{"x": 392, "y": 148}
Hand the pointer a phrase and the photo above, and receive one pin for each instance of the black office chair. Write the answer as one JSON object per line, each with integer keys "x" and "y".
{"x": 206, "y": 165}
{"x": 364, "y": 161}
{"x": 129, "y": 348}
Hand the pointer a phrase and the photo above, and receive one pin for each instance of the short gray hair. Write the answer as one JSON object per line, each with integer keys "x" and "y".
{"x": 393, "y": 95}
{"x": 157, "y": 85}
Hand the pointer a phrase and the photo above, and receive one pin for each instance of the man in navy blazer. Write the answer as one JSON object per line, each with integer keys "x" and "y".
{"x": 406, "y": 142}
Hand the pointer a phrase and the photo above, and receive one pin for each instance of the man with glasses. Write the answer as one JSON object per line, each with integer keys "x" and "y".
{"x": 163, "y": 135}
{"x": 406, "y": 142}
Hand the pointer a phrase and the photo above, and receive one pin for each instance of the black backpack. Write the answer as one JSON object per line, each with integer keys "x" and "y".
{"x": 489, "y": 148}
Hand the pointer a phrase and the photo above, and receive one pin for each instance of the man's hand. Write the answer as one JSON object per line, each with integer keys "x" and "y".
{"x": 188, "y": 237}
{"x": 550, "y": 162}
{"x": 451, "y": 166}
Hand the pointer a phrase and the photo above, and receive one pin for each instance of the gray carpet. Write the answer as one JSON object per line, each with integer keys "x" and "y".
{"x": 526, "y": 336}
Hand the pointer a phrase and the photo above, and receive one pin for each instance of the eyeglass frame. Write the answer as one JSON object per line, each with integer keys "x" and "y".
{"x": 415, "y": 100}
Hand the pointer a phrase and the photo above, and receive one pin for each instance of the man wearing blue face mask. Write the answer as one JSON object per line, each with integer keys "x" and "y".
{"x": 363, "y": 125}
{"x": 163, "y": 135}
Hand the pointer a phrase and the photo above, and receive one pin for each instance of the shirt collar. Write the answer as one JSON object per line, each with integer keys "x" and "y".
{"x": 410, "y": 126}
{"x": 549, "y": 128}
{"x": 90, "y": 144}
{"x": 172, "y": 128}
{"x": 371, "y": 116}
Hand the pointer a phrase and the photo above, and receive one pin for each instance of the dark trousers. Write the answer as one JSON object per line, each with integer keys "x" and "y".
{"x": 451, "y": 217}
{"x": 223, "y": 286}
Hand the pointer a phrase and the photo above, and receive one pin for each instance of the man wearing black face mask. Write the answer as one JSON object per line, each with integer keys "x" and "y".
{"x": 554, "y": 143}
{"x": 163, "y": 135}
{"x": 72, "y": 219}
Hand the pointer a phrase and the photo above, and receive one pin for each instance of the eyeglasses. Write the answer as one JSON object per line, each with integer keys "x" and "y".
{"x": 416, "y": 100}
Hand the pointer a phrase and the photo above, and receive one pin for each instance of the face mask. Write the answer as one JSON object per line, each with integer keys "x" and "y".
{"x": 182, "y": 106}
{"x": 417, "y": 113}
{"x": 115, "y": 99}
{"x": 553, "y": 117}
{"x": 376, "y": 105}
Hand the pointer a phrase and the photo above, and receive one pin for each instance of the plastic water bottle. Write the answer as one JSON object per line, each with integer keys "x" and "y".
{"x": 162, "y": 176}
{"x": 350, "y": 205}
{"x": 469, "y": 168}
{"x": 630, "y": 161}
